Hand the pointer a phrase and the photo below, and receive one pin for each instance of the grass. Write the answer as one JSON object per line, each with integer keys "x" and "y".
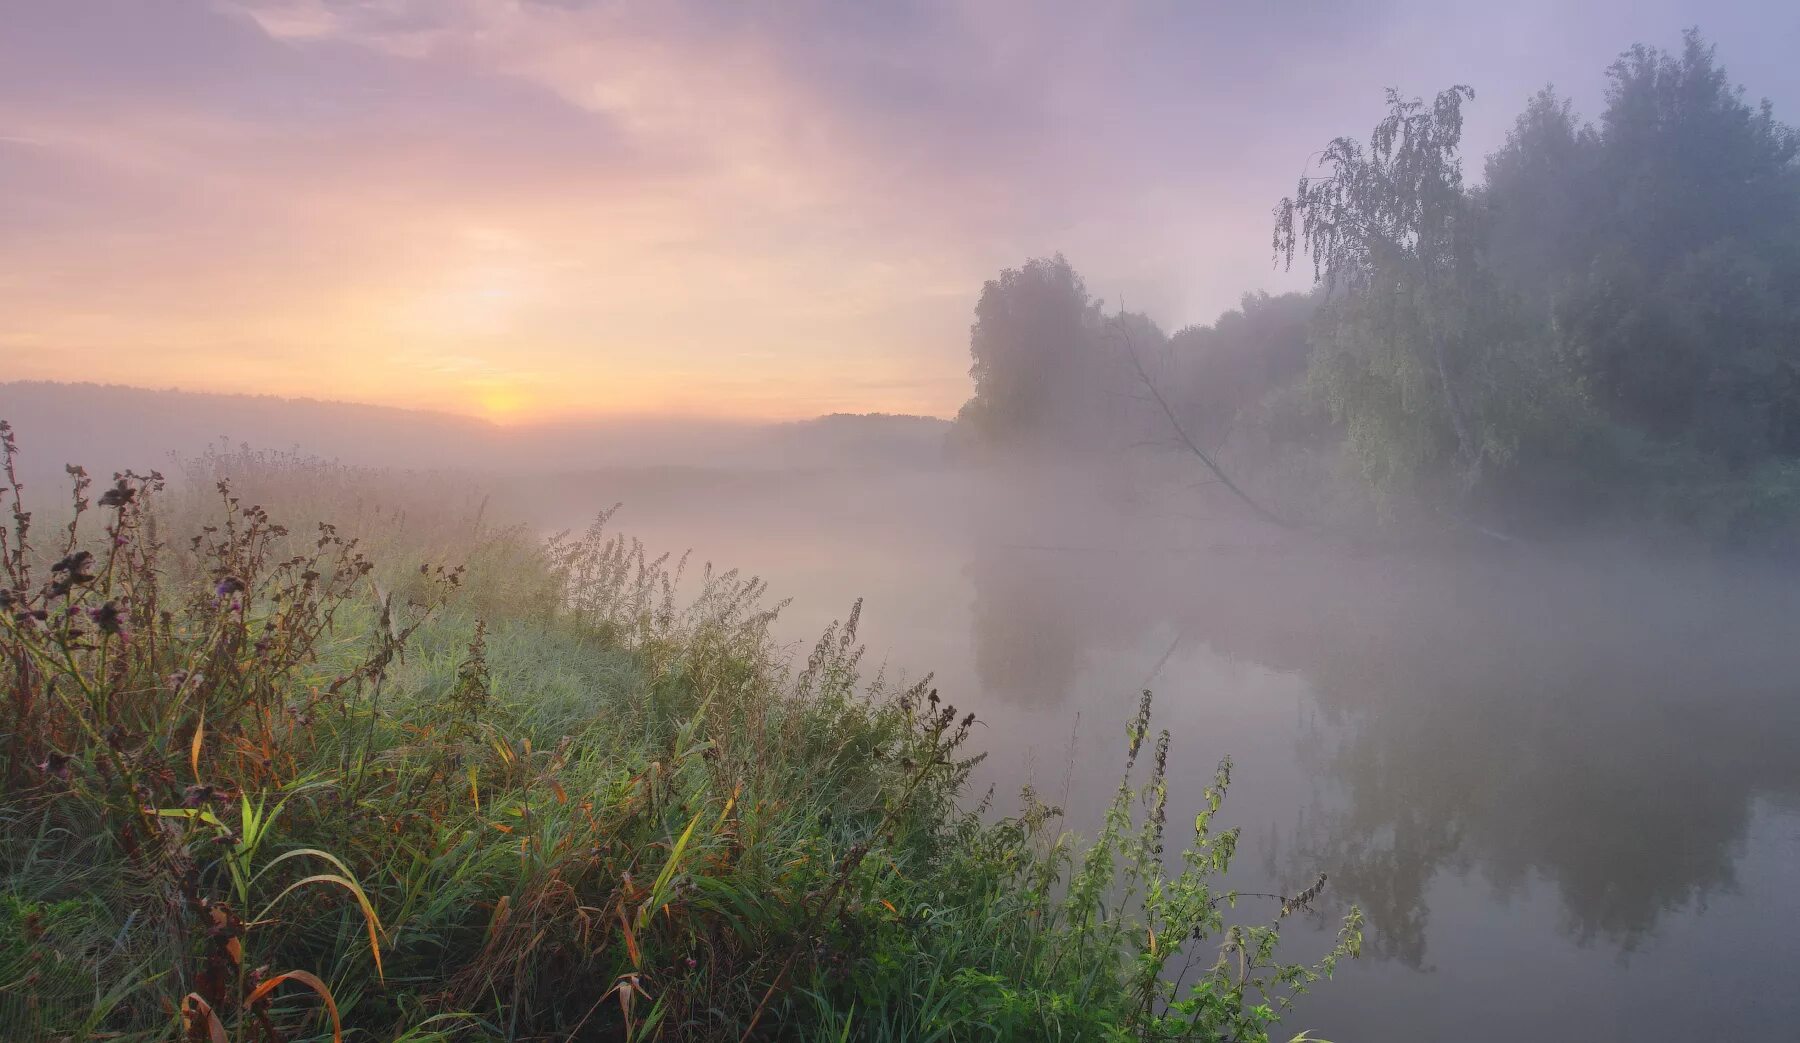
{"x": 262, "y": 786}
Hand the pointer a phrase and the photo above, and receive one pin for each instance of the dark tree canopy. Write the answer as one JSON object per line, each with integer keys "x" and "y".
{"x": 1607, "y": 326}
{"x": 1032, "y": 334}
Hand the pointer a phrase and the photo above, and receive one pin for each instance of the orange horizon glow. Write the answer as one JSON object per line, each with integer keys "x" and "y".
{"x": 534, "y": 211}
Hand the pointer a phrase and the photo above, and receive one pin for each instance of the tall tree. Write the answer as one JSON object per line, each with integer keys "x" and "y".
{"x": 1220, "y": 370}
{"x": 1681, "y": 310}
{"x": 1392, "y": 234}
{"x": 1544, "y": 198}
{"x": 1045, "y": 373}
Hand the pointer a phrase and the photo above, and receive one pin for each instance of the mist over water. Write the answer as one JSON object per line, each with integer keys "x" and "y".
{"x": 1469, "y": 536}
{"x": 1561, "y": 770}
{"x": 1564, "y": 773}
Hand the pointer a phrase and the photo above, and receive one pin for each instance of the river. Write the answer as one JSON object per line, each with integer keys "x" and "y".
{"x": 1563, "y": 783}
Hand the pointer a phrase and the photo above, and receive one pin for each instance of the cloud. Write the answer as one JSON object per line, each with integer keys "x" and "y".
{"x": 740, "y": 207}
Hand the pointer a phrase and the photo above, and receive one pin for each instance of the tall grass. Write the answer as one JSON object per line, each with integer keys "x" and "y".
{"x": 261, "y": 786}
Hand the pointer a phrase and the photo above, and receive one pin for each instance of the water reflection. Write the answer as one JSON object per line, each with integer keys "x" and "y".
{"x": 1586, "y": 720}
{"x": 1565, "y": 776}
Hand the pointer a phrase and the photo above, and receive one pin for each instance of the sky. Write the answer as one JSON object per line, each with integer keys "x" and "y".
{"x": 536, "y": 209}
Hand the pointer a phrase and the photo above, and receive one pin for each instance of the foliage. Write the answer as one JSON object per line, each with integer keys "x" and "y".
{"x": 1048, "y": 367}
{"x": 1031, "y": 339}
{"x": 1392, "y": 227}
{"x": 1636, "y": 276}
{"x": 260, "y": 787}
{"x": 1605, "y": 329}
{"x": 1222, "y": 372}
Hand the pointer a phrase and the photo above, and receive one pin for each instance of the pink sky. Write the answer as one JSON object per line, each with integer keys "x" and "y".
{"x": 527, "y": 208}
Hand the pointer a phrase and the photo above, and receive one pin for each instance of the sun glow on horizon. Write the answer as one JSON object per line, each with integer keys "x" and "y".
{"x": 505, "y": 406}
{"x": 532, "y": 211}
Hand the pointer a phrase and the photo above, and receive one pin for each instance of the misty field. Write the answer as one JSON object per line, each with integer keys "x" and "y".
{"x": 361, "y": 359}
{"x": 439, "y": 780}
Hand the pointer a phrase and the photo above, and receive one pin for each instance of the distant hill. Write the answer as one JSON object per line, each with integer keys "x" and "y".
{"x": 107, "y": 427}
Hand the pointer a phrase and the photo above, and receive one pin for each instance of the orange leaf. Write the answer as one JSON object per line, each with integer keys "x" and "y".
{"x": 500, "y": 915}
{"x": 311, "y": 982}
{"x": 194, "y": 750}
{"x": 192, "y": 1004}
{"x": 631, "y": 945}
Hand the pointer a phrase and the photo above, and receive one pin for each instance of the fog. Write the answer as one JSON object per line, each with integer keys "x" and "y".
{"x": 1477, "y": 552}
{"x": 1565, "y": 773}
{"x": 1563, "y": 770}
{"x": 109, "y": 427}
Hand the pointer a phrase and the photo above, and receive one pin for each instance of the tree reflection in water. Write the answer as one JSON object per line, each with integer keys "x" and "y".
{"x": 1587, "y": 720}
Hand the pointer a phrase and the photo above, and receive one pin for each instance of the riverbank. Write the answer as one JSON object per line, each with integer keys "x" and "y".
{"x": 421, "y": 777}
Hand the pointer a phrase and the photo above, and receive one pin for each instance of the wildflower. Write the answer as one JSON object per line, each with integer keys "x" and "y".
{"x": 182, "y": 678}
{"x": 228, "y": 586}
{"x": 75, "y": 565}
{"x": 56, "y": 765}
{"x": 119, "y": 495}
{"x": 74, "y": 571}
{"x": 108, "y": 617}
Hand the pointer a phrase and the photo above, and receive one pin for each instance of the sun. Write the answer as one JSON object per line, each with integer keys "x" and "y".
{"x": 503, "y": 405}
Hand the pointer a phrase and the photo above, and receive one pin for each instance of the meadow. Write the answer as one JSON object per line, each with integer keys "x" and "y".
{"x": 296, "y": 751}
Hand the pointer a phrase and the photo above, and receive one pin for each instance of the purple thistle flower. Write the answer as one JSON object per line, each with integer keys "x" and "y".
{"x": 108, "y": 617}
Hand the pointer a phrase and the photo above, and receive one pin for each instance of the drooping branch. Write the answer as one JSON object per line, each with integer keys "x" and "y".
{"x": 1123, "y": 333}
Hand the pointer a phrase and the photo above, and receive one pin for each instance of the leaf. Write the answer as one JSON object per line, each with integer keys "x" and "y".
{"x": 729, "y": 804}
{"x": 347, "y": 881}
{"x": 194, "y": 749}
{"x": 631, "y": 945}
{"x": 192, "y": 1003}
{"x": 311, "y": 982}
{"x": 200, "y": 813}
{"x": 660, "y": 888}
{"x": 500, "y": 916}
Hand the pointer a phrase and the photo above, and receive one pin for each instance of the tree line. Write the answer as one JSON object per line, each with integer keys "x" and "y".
{"x": 1605, "y": 326}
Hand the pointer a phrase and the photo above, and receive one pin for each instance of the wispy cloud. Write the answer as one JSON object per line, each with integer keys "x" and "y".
{"x": 764, "y": 209}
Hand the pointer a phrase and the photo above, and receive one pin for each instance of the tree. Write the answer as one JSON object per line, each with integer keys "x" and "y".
{"x": 1680, "y": 310}
{"x": 1542, "y": 197}
{"x": 1033, "y": 329}
{"x": 1391, "y": 230}
{"x": 1046, "y": 371}
{"x": 1218, "y": 372}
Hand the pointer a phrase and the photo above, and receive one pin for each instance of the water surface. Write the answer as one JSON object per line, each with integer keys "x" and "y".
{"x": 1563, "y": 783}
